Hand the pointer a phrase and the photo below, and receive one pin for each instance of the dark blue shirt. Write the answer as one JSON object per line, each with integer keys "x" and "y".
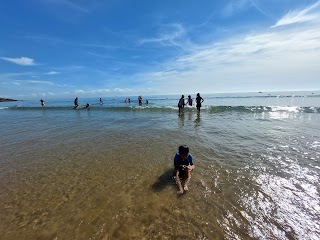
{"x": 178, "y": 161}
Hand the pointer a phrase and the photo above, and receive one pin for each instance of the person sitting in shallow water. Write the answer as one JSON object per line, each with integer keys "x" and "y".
{"x": 183, "y": 165}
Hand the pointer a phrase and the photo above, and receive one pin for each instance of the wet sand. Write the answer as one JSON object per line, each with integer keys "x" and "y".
{"x": 118, "y": 192}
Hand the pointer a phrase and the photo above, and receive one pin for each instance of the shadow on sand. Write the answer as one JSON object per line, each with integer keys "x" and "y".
{"x": 164, "y": 180}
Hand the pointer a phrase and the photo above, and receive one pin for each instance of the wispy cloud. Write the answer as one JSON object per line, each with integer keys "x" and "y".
{"x": 70, "y": 4}
{"x": 33, "y": 82}
{"x": 235, "y": 6}
{"x": 43, "y": 94}
{"x": 104, "y": 46}
{"x": 120, "y": 91}
{"x": 57, "y": 41}
{"x": 12, "y": 75}
{"x": 24, "y": 61}
{"x": 270, "y": 58}
{"x": 259, "y": 9}
{"x": 48, "y": 39}
{"x": 39, "y": 83}
{"x": 107, "y": 56}
{"x": 52, "y": 73}
{"x": 63, "y": 85}
{"x": 74, "y": 5}
{"x": 170, "y": 35}
{"x": 309, "y": 14}
{"x": 71, "y": 68}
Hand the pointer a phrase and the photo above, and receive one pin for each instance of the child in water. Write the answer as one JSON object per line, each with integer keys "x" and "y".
{"x": 190, "y": 101}
{"x": 183, "y": 166}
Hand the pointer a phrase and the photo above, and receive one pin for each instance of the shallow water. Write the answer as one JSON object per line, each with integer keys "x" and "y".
{"x": 106, "y": 173}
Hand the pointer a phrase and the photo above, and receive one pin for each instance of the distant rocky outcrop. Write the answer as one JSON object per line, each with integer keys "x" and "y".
{"x": 7, "y": 100}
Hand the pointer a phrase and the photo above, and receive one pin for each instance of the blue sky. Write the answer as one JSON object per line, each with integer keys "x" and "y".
{"x": 99, "y": 48}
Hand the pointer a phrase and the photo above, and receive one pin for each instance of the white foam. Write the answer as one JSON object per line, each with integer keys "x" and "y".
{"x": 287, "y": 109}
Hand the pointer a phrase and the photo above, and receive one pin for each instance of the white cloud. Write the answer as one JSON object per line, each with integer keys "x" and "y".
{"x": 42, "y": 82}
{"x": 279, "y": 57}
{"x": 24, "y": 61}
{"x": 43, "y": 94}
{"x": 235, "y": 6}
{"x": 74, "y": 5}
{"x": 308, "y": 14}
{"x": 170, "y": 34}
{"x": 70, "y": 4}
{"x": 63, "y": 85}
{"x": 260, "y": 9}
{"x": 99, "y": 46}
{"x": 52, "y": 73}
{"x": 94, "y": 92}
{"x": 10, "y": 75}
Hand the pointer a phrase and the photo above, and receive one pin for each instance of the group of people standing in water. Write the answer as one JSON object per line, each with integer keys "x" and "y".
{"x": 199, "y": 100}
{"x": 189, "y": 102}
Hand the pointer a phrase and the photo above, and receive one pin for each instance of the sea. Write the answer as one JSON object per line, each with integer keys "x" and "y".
{"x": 105, "y": 172}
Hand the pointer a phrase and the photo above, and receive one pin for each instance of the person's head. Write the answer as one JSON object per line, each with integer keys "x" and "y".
{"x": 182, "y": 96}
{"x": 189, "y": 96}
{"x": 183, "y": 151}
{"x": 198, "y": 94}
